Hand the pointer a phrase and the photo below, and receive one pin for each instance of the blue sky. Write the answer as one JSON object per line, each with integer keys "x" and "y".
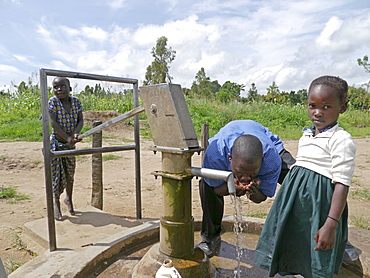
{"x": 243, "y": 41}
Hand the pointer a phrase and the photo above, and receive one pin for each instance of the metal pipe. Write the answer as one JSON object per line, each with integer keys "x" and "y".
{"x": 47, "y": 161}
{"x": 124, "y": 116}
{"x": 81, "y": 75}
{"x": 214, "y": 174}
{"x": 137, "y": 153}
{"x": 92, "y": 150}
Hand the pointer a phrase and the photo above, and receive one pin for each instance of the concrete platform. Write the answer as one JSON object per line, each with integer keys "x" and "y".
{"x": 84, "y": 241}
{"x": 93, "y": 238}
{"x": 85, "y": 228}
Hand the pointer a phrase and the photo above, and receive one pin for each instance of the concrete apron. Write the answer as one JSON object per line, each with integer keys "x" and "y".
{"x": 93, "y": 238}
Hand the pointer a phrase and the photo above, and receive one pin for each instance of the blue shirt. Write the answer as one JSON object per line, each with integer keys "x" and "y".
{"x": 216, "y": 155}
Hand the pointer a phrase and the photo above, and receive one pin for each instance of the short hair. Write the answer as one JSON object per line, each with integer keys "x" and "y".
{"x": 63, "y": 78}
{"x": 247, "y": 148}
{"x": 337, "y": 83}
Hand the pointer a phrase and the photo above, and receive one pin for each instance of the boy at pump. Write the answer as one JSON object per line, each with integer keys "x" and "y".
{"x": 306, "y": 230}
{"x": 67, "y": 121}
{"x": 258, "y": 160}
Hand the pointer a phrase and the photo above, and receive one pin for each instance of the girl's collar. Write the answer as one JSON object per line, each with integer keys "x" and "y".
{"x": 312, "y": 128}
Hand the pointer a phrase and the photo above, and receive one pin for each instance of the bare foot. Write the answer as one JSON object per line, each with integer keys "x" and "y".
{"x": 57, "y": 213}
{"x": 69, "y": 205}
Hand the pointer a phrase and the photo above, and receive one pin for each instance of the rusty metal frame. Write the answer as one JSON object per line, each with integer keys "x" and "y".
{"x": 48, "y": 155}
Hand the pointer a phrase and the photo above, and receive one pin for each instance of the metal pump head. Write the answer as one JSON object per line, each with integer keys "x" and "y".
{"x": 168, "y": 116}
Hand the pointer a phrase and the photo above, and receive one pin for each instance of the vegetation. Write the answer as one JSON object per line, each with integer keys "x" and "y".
{"x": 158, "y": 71}
{"x": 108, "y": 157}
{"x": 258, "y": 213}
{"x": 360, "y": 194}
{"x": 10, "y": 193}
{"x": 285, "y": 115}
{"x": 360, "y": 222}
{"x": 11, "y": 264}
{"x": 208, "y": 101}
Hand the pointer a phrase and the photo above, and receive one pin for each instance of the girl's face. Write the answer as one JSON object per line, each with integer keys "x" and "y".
{"x": 324, "y": 106}
{"x": 61, "y": 88}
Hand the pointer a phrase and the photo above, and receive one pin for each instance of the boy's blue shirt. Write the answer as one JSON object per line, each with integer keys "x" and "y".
{"x": 216, "y": 156}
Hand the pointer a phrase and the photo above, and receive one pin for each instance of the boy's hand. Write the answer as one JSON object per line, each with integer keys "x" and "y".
{"x": 251, "y": 188}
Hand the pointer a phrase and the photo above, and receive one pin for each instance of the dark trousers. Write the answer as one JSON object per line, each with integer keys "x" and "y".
{"x": 213, "y": 204}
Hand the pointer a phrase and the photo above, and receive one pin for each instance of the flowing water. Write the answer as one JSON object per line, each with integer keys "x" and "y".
{"x": 238, "y": 230}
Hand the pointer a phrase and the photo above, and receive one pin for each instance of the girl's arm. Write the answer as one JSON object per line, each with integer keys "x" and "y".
{"x": 61, "y": 135}
{"x": 325, "y": 236}
{"x": 79, "y": 126}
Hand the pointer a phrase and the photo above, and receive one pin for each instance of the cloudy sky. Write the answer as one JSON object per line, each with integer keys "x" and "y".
{"x": 243, "y": 41}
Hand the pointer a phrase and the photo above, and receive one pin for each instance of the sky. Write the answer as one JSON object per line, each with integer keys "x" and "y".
{"x": 242, "y": 41}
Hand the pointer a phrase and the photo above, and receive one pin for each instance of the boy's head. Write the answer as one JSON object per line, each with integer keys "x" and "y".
{"x": 246, "y": 158}
{"x": 61, "y": 87}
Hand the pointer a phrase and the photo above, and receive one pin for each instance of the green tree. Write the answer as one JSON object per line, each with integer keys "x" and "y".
{"x": 298, "y": 97}
{"x": 202, "y": 85}
{"x": 229, "y": 91}
{"x": 272, "y": 93}
{"x": 252, "y": 92}
{"x": 158, "y": 71}
{"x": 358, "y": 98}
{"x": 364, "y": 62}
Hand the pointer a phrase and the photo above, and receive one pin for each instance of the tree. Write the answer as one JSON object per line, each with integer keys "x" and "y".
{"x": 229, "y": 91}
{"x": 202, "y": 85}
{"x": 272, "y": 93}
{"x": 358, "y": 98}
{"x": 158, "y": 71}
{"x": 364, "y": 62}
{"x": 252, "y": 92}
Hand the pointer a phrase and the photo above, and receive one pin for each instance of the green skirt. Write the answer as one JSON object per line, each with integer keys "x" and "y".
{"x": 287, "y": 241}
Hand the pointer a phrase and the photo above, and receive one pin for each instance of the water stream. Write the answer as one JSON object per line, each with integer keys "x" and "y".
{"x": 238, "y": 230}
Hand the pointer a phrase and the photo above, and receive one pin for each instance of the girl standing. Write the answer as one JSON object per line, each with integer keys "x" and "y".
{"x": 306, "y": 230}
{"x": 67, "y": 121}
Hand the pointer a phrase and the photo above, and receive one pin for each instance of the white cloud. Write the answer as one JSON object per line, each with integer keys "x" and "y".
{"x": 116, "y": 4}
{"x": 333, "y": 25}
{"x": 23, "y": 59}
{"x": 289, "y": 42}
{"x": 94, "y": 33}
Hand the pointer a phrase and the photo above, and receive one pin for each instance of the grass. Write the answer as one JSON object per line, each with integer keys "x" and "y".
{"x": 11, "y": 263}
{"x": 362, "y": 194}
{"x": 361, "y": 222}
{"x": 10, "y": 193}
{"x": 20, "y": 115}
{"x": 107, "y": 157}
{"x": 258, "y": 213}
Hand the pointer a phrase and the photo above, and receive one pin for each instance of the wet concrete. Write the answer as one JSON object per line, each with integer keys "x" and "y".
{"x": 100, "y": 245}
{"x": 225, "y": 261}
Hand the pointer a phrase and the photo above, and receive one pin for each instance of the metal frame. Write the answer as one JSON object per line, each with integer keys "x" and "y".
{"x": 48, "y": 155}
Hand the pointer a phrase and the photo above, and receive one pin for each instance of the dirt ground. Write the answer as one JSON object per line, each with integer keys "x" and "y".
{"x": 21, "y": 167}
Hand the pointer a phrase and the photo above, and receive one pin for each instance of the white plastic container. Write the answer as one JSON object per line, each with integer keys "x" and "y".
{"x": 167, "y": 270}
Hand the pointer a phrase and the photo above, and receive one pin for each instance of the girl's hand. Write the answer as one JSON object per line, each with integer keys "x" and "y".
{"x": 325, "y": 236}
{"x": 76, "y": 138}
{"x": 71, "y": 140}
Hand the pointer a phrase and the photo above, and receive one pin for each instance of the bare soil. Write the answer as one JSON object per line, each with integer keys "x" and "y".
{"x": 21, "y": 167}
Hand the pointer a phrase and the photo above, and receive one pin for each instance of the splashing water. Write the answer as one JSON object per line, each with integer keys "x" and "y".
{"x": 238, "y": 229}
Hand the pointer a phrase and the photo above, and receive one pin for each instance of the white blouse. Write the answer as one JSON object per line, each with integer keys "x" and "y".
{"x": 330, "y": 153}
